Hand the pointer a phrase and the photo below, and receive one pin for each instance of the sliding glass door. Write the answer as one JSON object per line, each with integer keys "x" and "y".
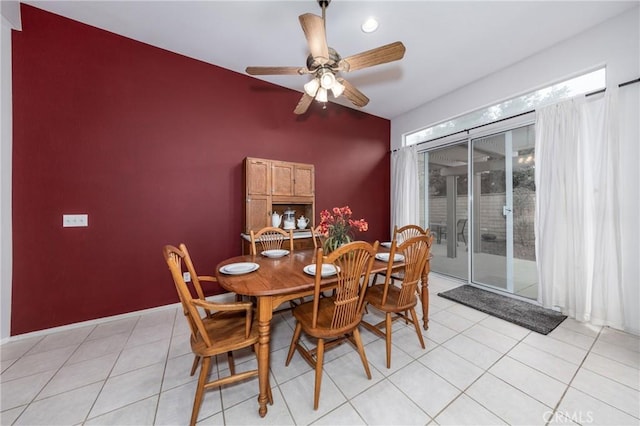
{"x": 478, "y": 199}
{"x": 503, "y": 254}
{"x": 444, "y": 184}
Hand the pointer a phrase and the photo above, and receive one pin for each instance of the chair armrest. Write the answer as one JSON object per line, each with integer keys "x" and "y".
{"x": 208, "y": 278}
{"x": 233, "y": 306}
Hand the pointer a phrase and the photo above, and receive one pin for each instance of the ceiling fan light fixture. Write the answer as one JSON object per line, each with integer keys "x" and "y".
{"x": 311, "y": 87}
{"x": 337, "y": 89}
{"x": 321, "y": 96}
{"x": 370, "y": 25}
{"x": 327, "y": 80}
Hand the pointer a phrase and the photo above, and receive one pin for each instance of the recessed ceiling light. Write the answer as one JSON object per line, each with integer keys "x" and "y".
{"x": 370, "y": 25}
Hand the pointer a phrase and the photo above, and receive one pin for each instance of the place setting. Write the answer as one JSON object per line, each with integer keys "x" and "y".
{"x": 327, "y": 270}
{"x": 274, "y": 254}
{"x": 239, "y": 268}
{"x": 386, "y": 256}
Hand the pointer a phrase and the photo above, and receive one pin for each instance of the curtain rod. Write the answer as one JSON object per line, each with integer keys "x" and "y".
{"x": 626, "y": 83}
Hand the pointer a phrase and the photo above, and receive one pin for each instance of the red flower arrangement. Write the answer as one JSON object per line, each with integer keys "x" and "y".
{"x": 338, "y": 227}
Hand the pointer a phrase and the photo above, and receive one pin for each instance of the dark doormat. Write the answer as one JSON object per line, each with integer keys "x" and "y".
{"x": 524, "y": 314}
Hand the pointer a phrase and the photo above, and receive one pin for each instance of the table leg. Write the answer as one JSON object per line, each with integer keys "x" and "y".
{"x": 265, "y": 313}
{"x": 425, "y": 296}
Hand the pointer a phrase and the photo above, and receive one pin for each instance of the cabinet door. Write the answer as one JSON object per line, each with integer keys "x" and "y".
{"x": 257, "y": 211}
{"x": 258, "y": 176}
{"x": 281, "y": 178}
{"x": 303, "y": 182}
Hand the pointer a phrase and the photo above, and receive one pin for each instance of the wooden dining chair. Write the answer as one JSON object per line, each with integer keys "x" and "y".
{"x": 331, "y": 320}
{"x": 318, "y": 240}
{"x": 271, "y": 238}
{"x": 396, "y": 301}
{"x": 408, "y": 231}
{"x": 195, "y": 280}
{"x": 400, "y": 235}
{"x": 316, "y": 234}
{"x": 223, "y": 328}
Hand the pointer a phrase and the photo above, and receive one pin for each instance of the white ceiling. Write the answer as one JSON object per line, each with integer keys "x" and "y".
{"x": 449, "y": 43}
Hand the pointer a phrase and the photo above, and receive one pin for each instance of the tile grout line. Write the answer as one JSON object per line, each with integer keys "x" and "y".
{"x": 555, "y": 409}
{"x": 104, "y": 382}
{"x": 33, "y": 400}
{"x": 166, "y": 363}
{"x": 464, "y": 391}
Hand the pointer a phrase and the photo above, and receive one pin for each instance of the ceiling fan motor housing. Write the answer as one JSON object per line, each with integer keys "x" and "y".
{"x": 334, "y": 58}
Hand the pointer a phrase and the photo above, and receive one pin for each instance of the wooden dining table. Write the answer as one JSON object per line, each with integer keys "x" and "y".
{"x": 279, "y": 280}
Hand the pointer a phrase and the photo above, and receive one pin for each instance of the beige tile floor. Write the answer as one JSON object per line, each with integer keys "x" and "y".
{"x": 476, "y": 370}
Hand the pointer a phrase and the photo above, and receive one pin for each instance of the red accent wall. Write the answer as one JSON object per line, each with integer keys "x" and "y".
{"x": 150, "y": 145}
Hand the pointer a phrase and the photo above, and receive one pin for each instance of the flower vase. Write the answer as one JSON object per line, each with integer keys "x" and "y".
{"x": 333, "y": 242}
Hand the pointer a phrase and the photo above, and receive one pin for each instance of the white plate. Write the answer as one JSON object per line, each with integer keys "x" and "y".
{"x": 239, "y": 268}
{"x": 386, "y": 244}
{"x": 385, "y": 257}
{"x": 275, "y": 253}
{"x": 327, "y": 270}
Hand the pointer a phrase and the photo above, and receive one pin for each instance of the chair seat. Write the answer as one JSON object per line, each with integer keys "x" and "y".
{"x": 399, "y": 275}
{"x": 374, "y": 298}
{"x": 227, "y": 333}
{"x": 304, "y": 314}
{"x": 395, "y": 276}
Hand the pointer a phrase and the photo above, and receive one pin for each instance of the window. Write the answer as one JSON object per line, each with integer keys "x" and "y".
{"x": 586, "y": 83}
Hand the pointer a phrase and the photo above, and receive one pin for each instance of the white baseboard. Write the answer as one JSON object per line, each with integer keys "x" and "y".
{"x": 45, "y": 332}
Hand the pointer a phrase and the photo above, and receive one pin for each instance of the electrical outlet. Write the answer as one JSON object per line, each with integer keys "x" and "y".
{"x": 186, "y": 277}
{"x": 75, "y": 220}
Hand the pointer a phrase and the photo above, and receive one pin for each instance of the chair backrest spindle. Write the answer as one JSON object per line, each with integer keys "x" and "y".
{"x": 270, "y": 238}
{"x": 354, "y": 262}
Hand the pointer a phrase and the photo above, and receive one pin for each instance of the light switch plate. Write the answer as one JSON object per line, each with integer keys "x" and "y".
{"x": 75, "y": 220}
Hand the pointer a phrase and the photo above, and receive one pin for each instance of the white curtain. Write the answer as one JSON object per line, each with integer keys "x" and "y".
{"x": 578, "y": 209}
{"x": 405, "y": 196}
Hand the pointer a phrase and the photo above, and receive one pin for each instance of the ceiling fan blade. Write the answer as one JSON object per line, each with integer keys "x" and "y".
{"x": 276, "y": 70}
{"x": 380, "y": 55}
{"x": 303, "y": 104}
{"x": 313, "y": 27}
{"x": 354, "y": 95}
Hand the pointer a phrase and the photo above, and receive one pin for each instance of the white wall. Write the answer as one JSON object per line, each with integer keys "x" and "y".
{"x": 6, "y": 258}
{"x": 616, "y": 44}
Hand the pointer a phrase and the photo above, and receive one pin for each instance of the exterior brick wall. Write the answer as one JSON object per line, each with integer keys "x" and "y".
{"x": 491, "y": 219}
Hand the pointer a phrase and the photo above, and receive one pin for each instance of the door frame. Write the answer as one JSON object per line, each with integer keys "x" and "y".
{"x": 503, "y": 126}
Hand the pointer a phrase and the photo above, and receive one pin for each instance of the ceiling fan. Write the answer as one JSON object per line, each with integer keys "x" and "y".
{"x": 324, "y": 63}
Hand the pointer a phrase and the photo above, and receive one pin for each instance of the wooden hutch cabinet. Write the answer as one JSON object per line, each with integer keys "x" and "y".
{"x": 275, "y": 186}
